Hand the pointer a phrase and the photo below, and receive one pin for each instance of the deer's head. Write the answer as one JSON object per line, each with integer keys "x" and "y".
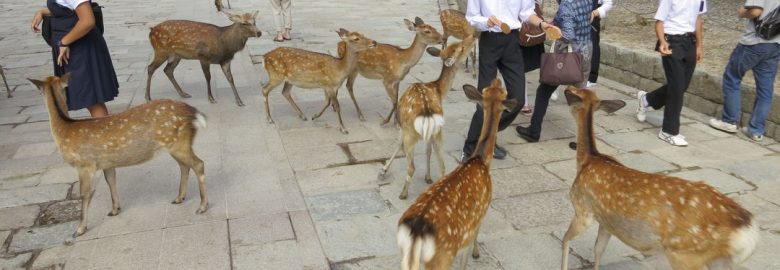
{"x": 356, "y": 41}
{"x": 246, "y": 22}
{"x": 428, "y": 33}
{"x": 454, "y": 53}
{"x": 583, "y": 101}
{"x": 492, "y": 98}
{"x": 55, "y": 86}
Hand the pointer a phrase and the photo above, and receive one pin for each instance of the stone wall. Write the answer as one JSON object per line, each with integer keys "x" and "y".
{"x": 645, "y": 72}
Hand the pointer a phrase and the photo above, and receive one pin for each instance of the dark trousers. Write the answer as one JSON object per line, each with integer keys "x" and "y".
{"x": 678, "y": 67}
{"x": 596, "y": 60}
{"x": 498, "y": 52}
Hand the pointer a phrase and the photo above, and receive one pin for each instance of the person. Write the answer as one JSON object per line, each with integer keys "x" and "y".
{"x": 752, "y": 53}
{"x": 678, "y": 27}
{"x": 499, "y": 51}
{"x": 282, "y": 19}
{"x": 573, "y": 17}
{"x": 79, "y": 49}
{"x": 600, "y": 9}
{"x": 532, "y": 58}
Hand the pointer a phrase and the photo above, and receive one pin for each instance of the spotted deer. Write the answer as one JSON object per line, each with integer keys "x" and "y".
{"x": 210, "y": 44}
{"x": 7, "y": 89}
{"x": 306, "y": 69}
{"x": 455, "y": 25}
{"x": 446, "y": 217}
{"x": 390, "y": 63}
{"x": 422, "y": 115}
{"x": 127, "y": 138}
{"x": 691, "y": 222}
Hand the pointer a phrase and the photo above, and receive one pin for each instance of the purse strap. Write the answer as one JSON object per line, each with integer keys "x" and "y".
{"x": 552, "y": 46}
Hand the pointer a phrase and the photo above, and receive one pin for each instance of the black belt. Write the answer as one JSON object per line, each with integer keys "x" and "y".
{"x": 686, "y": 35}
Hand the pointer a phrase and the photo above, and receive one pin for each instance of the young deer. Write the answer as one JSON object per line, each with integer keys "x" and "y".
{"x": 127, "y": 138}
{"x": 8, "y": 89}
{"x": 390, "y": 63}
{"x": 455, "y": 24}
{"x": 422, "y": 115}
{"x": 211, "y": 44}
{"x": 306, "y": 69}
{"x": 691, "y": 222}
{"x": 446, "y": 218}
{"x": 218, "y": 4}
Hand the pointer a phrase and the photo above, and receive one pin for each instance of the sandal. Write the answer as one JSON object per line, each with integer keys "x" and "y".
{"x": 527, "y": 110}
{"x": 286, "y": 35}
{"x": 279, "y": 38}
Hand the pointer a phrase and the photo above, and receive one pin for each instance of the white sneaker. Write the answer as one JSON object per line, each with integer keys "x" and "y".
{"x": 590, "y": 84}
{"x": 755, "y": 137}
{"x": 554, "y": 96}
{"x": 676, "y": 140}
{"x": 641, "y": 110}
{"x": 723, "y": 126}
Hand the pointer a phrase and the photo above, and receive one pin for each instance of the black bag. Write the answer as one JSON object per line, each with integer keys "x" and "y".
{"x": 46, "y": 24}
{"x": 769, "y": 27}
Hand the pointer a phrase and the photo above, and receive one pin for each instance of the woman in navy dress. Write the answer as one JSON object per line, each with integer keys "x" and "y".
{"x": 79, "y": 48}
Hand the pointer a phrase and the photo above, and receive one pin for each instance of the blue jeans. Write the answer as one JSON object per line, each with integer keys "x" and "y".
{"x": 762, "y": 58}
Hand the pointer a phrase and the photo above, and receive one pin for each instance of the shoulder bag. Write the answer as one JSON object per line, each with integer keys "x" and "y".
{"x": 532, "y": 35}
{"x": 561, "y": 68}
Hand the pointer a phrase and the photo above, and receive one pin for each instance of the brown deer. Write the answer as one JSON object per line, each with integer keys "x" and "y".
{"x": 455, "y": 25}
{"x": 179, "y": 39}
{"x": 127, "y": 138}
{"x": 446, "y": 218}
{"x": 422, "y": 115}
{"x": 390, "y": 63}
{"x": 306, "y": 69}
{"x": 8, "y": 89}
{"x": 218, "y": 4}
{"x": 691, "y": 222}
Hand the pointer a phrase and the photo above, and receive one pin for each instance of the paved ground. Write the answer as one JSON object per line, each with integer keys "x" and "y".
{"x": 300, "y": 195}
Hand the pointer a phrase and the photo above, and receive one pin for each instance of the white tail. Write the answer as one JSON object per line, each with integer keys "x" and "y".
{"x": 743, "y": 242}
{"x": 426, "y": 126}
{"x": 200, "y": 120}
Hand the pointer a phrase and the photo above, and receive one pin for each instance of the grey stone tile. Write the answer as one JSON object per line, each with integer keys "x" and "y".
{"x": 16, "y": 262}
{"x": 541, "y": 251}
{"x": 377, "y": 150}
{"x": 74, "y": 256}
{"x": 722, "y": 181}
{"x": 33, "y": 195}
{"x": 344, "y": 204}
{"x": 711, "y": 153}
{"x": 764, "y": 257}
{"x": 201, "y": 246}
{"x": 566, "y": 170}
{"x": 42, "y": 237}
{"x": 541, "y": 152}
{"x": 523, "y": 180}
{"x": 537, "y": 211}
{"x": 343, "y": 178}
{"x": 766, "y": 213}
{"x": 582, "y": 245}
{"x": 132, "y": 219}
{"x": 645, "y": 162}
{"x": 18, "y": 217}
{"x": 326, "y": 155}
{"x": 359, "y": 236}
{"x": 35, "y": 150}
{"x": 632, "y": 141}
{"x": 761, "y": 172}
{"x": 4, "y": 235}
{"x": 62, "y": 174}
{"x": 261, "y": 230}
{"x": 138, "y": 251}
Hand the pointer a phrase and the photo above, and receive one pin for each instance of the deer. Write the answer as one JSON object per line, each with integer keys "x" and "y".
{"x": 124, "y": 139}
{"x": 7, "y": 89}
{"x": 308, "y": 70}
{"x": 218, "y": 4}
{"x": 174, "y": 40}
{"x": 691, "y": 222}
{"x": 446, "y": 218}
{"x": 454, "y": 23}
{"x": 390, "y": 63}
{"x": 422, "y": 115}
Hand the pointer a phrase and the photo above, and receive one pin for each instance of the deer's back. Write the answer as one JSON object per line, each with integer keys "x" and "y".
{"x": 455, "y": 24}
{"x": 305, "y": 69}
{"x": 384, "y": 61}
{"x": 420, "y": 99}
{"x": 187, "y": 39}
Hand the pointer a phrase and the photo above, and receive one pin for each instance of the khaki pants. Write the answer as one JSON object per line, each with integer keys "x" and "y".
{"x": 282, "y": 17}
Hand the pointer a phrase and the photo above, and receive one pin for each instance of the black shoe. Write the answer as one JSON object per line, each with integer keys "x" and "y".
{"x": 499, "y": 152}
{"x": 524, "y": 133}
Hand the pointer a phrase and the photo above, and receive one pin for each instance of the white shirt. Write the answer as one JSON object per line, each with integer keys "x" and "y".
{"x": 606, "y": 5}
{"x": 679, "y": 16}
{"x": 71, "y": 4}
{"x": 510, "y": 12}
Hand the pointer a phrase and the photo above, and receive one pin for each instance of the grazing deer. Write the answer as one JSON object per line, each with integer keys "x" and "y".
{"x": 127, "y": 138}
{"x": 691, "y": 222}
{"x": 422, "y": 115}
{"x": 306, "y": 69}
{"x": 455, "y": 25}
{"x": 390, "y": 63}
{"x": 211, "y": 44}
{"x": 8, "y": 89}
{"x": 446, "y": 218}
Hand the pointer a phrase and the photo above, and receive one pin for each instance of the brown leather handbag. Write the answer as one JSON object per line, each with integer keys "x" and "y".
{"x": 532, "y": 35}
{"x": 561, "y": 68}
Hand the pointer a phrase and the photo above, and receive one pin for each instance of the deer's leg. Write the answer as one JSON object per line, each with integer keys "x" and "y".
{"x": 438, "y": 145}
{"x": 464, "y": 259}
{"x": 86, "y": 175}
{"x": 110, "y": 175}
{"x": 187, "y": 157}
{"x": 601, "y": 244}
{"x": 184, "y": 170}
{"x": 273, "y": 82}
{"x": 328, "y": 101}
{"x": 207, "y": 73}
{"x": 229, "y": 76}
{"x": 335, "y": 101}
{"x": 441, "y": 261}
{"x": 172, "y": 63}
{"x": 428, "y": 152}
{"x": 475, "y": 245}
{"x": 392, "y": 91}
{"x": 474, "y": 68}
{"x": 444, "y": 39}
{"x": 287, "y": 95}
{"x": 409, "y": 142}
{"x": 350, "y": 88}
{"x": 383, "y": 173}
{"x": 579, "y": 224}
{"x": 158, "y": 60}
{"x": 684, "y": 261}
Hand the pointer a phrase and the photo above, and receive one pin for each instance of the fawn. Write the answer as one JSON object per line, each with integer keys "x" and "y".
{"x": 390, "y": 63}
{"x": 446, "y": 218}
{"x": 455, "y": 25}
{"x": 422, "y": 115}
{"x": 691, "y": 222}
{"x": 179, "y": 39}
{"x": 306, "y": 69}
{"x": 8, "y": 89}
{"x": 127, "y": 138}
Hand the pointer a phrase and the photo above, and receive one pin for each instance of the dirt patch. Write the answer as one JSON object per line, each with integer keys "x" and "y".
{"x": 60, "y": 212}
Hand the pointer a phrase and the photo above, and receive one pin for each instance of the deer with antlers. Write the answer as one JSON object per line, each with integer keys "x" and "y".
{"x": 691, "y": 222}
{"x": 210, "y": 44}
{"x": 422, "y": 114}
{"x": 306, "y": 69}
{"x": 455, "y": 25}
{"x": 390, "y": 63}
{"x": 446, "y": 217}
{"x": 127, "y": 138}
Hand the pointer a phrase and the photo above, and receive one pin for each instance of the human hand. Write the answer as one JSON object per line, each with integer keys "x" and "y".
{"x": 741, "y": 10}
{"x": 699, "y": 54}
{"x": 64, "y": 56}
{"x": 493, "y": 21}
{"x": 664, "y": 48}
{"x": 553, "y": 32}
{"x": 593, "y": 15}
{"x": 36, "y": 21}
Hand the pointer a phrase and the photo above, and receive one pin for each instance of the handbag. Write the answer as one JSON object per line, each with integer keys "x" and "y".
{"x": 561, "y": 68}
{"x": 769, "y": 27}
{"x": 46, "y": 32}
{"x": 532, "y": 35}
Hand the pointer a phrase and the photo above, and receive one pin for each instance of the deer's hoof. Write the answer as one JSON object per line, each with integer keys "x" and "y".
{"x": 114, "y": 212}
{"x": 178, "y": 200}
{"x": 344, "y": 131}
{"x": 270, "y": 121}
{"x": 202, "y": 210}
{"x": 212, "y": 101}
{"x": 403, "y": 196}
{"x": 362, "y": 118}
{"x": 79, "y": 232}
{"x": 240, "y": 103}
{"x": 382, "y": 175}
{"x": 428, "y": 180}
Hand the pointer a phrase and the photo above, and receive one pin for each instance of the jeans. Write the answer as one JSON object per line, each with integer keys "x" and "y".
{"x": 678, "y": 68}
{"x": 762, "y": 58}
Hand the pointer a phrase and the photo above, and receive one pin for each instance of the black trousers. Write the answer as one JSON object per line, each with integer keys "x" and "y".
{"x": 498, "y": 52}
{"x": 596, "y": 58}
{"x": 678, "y": 67}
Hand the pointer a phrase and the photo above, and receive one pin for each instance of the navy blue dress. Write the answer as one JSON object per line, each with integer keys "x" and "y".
{"x": 92, "y": 76}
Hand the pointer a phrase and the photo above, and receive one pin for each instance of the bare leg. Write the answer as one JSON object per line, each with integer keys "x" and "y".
{"x": 409, "y": 143}
{"x": 86, "y": 176}
{"x": 229, "y": 76}
{"x": 272, "y": 83}
{"x": 169, "y": 72}
{"x": 98, "y": 110}
{"x": 286, "y": 93}
{"x": 601, "y": 244}
{"x": 350, "y": 88}
{"x": 110, "y": 175}
{"x": 207, "y": 73}
{"x": 158, "y": 60}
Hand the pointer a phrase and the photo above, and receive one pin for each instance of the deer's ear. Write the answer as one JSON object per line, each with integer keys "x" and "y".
{"x": 510, "y": 104}
{"x": 611, "y": 106}
{"x": 38, "y": 83}
{"x": 231, "y": 17}
{"x": 342, "y": 33}
{"x": 254, "y": 15}
{"x": 433, "y": 51}
{"x": 418, "y": 21}
{"x": 571, "y": 98}
{"x": 472, "y": 93}
{"x": 410, "y": 25}
{"x": 449, "y": 61}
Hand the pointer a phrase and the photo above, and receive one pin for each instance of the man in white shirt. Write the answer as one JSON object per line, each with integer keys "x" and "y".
{"x": 679, "y": 29}
{"x": 499, "y": 51}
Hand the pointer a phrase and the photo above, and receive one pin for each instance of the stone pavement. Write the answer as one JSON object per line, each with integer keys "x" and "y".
{"x": 300, "y": 195}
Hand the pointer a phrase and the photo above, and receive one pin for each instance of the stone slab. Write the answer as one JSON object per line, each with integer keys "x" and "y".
{"x": 200, "y": 246}
{"x": 537, "y": 211}
{"x": 583, "y": 244}
{"x": 33, "y": 195}
{"x": 130, "y": 251}
{"x": 15, "y": 263}
{"x": 762, "y": 172}
{"x": 523, "y": 180}
{"x": 540, "y": 251}
{"x": 59, "y": 175}
{"x": 74, "y": 256}
{"x": 42, "y": 237}
{"x": 719, "y": 152}
{"x": 35, "y": 150}
{"x": 343, "y": 178}
{"x": 345, "y": 204}
{"x": 18, "y": 217}
{"x": 566, "y": 170}
{"x": 645, "y": 162}
{"x": 359, "y": 236}
{"x": 261, "y": 230}
{"x": 316, "y": 157}
{"x": 724, "y": 182}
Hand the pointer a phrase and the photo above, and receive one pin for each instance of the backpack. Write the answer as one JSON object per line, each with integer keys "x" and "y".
{"x": 46, "y": 33}
{"x": 769, "y": 27}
